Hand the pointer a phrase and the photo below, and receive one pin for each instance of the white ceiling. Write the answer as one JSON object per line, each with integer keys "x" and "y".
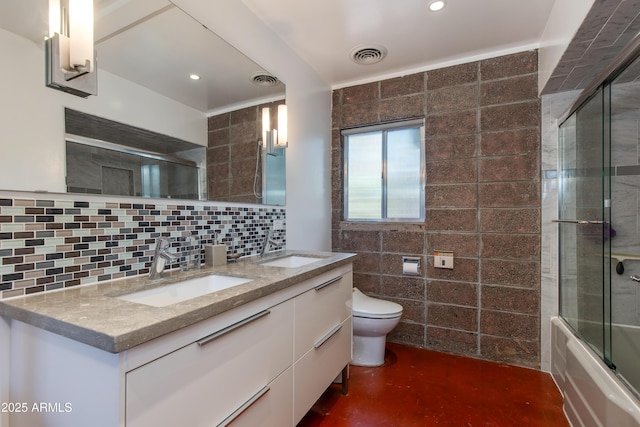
{"x": 153, "y": 43}
{"x": 324, "y": 32}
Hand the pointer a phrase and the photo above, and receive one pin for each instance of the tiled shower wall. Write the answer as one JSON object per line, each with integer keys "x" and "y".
{"x": 49, "y": 243}
{"x": 553, "y": 107}
{"x": 482, "y": 129}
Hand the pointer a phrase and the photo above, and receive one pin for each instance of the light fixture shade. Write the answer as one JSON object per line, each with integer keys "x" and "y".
{"x": 282, "y": 125}
{"x": 69, "y": 52}
{"x": 266, "y": 125}
{"x": 81, "y": 34}
{"x": 55, "y": 18}
{"x": 272, "y": 138}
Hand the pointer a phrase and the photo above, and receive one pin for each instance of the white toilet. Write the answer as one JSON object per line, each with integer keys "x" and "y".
{"x": 373, "y": 319}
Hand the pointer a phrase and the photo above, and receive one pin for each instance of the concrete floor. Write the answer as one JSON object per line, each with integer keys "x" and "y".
{"x": 417, "y": 387}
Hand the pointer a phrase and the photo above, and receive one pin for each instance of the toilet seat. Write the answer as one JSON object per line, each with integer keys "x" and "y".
{"x": 373, "y": 308}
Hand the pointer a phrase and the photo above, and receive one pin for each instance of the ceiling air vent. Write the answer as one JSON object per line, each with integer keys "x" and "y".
{"x": 264, "y": 79}
{"x": 367, "y": 55}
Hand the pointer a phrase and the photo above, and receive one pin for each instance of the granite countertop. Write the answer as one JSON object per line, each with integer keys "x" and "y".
{"x": 92, "y": 314}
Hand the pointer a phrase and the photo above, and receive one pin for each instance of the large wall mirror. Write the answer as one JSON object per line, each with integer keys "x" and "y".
{"x": 149, "y": 54}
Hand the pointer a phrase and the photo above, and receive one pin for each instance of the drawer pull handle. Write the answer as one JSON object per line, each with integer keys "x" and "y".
{"x": 327, "y": 283}
{"x": 231, "y": 328}
{"x": 329, "y": 335}
{"x": 235, "y": 414}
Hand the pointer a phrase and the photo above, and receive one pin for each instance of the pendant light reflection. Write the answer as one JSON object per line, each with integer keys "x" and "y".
{"x": 274, "y": 138}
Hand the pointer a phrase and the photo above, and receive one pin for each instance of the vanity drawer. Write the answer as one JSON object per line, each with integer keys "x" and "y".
{"x": 320, "y": 309}
{"x": 315, "y": 371}
{"x": 204, "y": 382}
{"x": 272, "y": 406}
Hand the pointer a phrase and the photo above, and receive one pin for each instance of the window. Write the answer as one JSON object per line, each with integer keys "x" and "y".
{"x": 384, "y": 175}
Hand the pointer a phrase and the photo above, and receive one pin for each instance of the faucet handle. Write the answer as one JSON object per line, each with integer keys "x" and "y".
{"x": 191, "y": 253}
{"x": 163, "y": 242}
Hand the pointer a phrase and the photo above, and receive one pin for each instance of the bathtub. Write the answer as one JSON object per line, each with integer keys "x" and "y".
{"x": 593, "y": 395}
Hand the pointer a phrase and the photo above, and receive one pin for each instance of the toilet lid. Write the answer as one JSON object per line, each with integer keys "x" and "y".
{"x": 366, "y": 306}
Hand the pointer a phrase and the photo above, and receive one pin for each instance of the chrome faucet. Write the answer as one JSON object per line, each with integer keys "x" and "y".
{"x": 161, "y": 257}
{"x": 268, "y": 241}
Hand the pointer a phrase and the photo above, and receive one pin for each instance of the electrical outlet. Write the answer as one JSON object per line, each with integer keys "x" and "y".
{"x": 443, "y": 259}
{"x": 278, "y": 224}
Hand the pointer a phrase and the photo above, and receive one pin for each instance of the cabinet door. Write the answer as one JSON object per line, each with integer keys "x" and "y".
{"x": 320, "y": 309}
{"x": 317, "y": 369}
{"x": 202, "y": 383}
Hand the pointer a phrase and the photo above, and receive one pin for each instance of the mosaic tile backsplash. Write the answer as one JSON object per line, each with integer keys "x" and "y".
{"x": 48, "y": 244}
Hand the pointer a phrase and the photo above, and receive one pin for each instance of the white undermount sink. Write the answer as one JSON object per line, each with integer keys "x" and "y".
{"x": 182, "y": 291}
{"x": 291, "y": 261}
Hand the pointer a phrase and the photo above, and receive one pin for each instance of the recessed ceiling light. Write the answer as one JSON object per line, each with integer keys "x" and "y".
{"x": 194, "y": 77}
{"x": 436, "y": 5}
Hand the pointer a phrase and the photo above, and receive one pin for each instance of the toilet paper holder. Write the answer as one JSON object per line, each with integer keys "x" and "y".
{"x": 411, "y": 266}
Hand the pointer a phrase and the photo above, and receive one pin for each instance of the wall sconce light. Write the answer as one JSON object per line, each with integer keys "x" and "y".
{"x": 274, "y": 138}
{"x": 69, "y": 53}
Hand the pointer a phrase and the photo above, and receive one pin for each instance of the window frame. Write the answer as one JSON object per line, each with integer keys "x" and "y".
{"x": 384, "y": 128}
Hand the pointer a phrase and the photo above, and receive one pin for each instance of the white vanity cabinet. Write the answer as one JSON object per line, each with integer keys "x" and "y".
{"x": 215, "y": 378}
{"x": 263, "y": 363}
{"x": 322, "y": 338}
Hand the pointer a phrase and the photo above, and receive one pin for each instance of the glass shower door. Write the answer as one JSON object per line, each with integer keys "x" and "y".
{"x": 583, "y": 223}
{"x": 625, "y": 246}
{"x": 599, "y": 216}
